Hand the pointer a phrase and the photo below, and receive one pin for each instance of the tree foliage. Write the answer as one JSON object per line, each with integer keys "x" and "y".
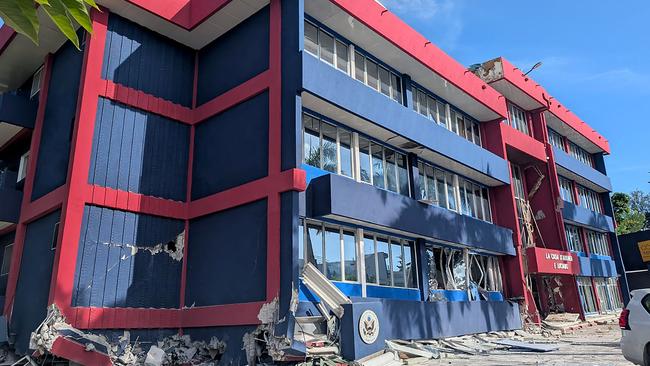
{"x": 21, "y": 15}
{"x": 631, "y": 211}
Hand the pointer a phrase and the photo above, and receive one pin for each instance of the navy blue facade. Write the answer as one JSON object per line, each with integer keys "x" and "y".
{"x": 139, "y": 152}
{"x": 336, "y": 196}
{"x": 423, "y": 320}
{"x": 581, "y": 169}
{"x": 338, "y": 88}
{"x": 137, "y": 58}
{"x": 235, "y": 57}
{"x": 114, "y": 266}
{"x": 60, "y": 110}
{"x": 226, "y": 261}
{"x": 11, "y": 199}
{"x": 18, "y": 109}
{"x": 219, "y": 141}
{"x": 585, "y": 217}
{"x": 33, "y": 287}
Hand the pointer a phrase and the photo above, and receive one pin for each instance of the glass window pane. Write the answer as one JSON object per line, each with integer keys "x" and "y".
{"x": 333, "y": 254}
{"x": 342, "y": 56}
{"x": 464, "y": 207}
{"x": 345, "y": 143}
{"x": 477, "y": 134}
{"x": 397, "y": 263}
{"x": 461, "y": 125}
{"x": 402, "y": 174}
{"x": 409, "y": 266}
{"x": 442, "y": 114}
{"x": 486, "y": 204}
{"x": 442, "y": 190}
{"x": 451, "y": 192}
{"x": 453, "y": 122}
{"x": 391, "y": 177}
{"x": 350, "y": 256}
{"x": 364, "y": 159}
{"x": 315, "y": 246}
{"x": 371, "y": 71}
{"x": 377, "y": 166}
{"x": 415, "y": 97}
{"x": 359, "y": 67}
{"x": 326, "y": 47}
{"x": 425, "y": 185}
{"x": 459, "y": 269}
{"x": 422, "y": 101}
{"x": 311, "y": 38}
{"x": 383, "y": 261}
{"x": 369, "y": 258}
{"x": 396, "y": 88}
{"x": 384, "y": 81}
{"x": 301, "y": 246}
{"x": 432, "y": 108}
{"x": 431, "y": 184}
{"x": 311, "y": 141}
{"x": 478, "y": 203}
{"x": 329, "y": 147}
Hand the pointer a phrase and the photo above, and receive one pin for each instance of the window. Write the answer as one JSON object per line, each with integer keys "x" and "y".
{"x": 389, "y": 261}
{"x": 566, "y": 189}
{"x": 589, "y": 199}
{"x": 55, "y": 236}
{"x": 518, "y": 119}
{"x": 598, "y": 243}
{"x": 573, "y": 238}
{"x": 326, "y": 47}
{"x": 485, "y": 272}
{"x": 6, "y": 259}
{"x": 22, "y": 167}
{"x": 608, "y": 295}
{"x": 448, "y": 270}
{"x": 555, "y": 139}
{"x": 377, "y": 77}
{"x": 580, "y": 154}
{"x": 36, "y": 82}
{"x": 326, "y": 146}
{"x": 587, "y": 297}
{"x": 330, "y": 248}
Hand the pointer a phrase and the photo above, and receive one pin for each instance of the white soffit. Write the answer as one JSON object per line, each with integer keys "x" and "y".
{"x": 516, "y": 95}
{"x": 558, "y": 125}
{"x": 7, "y": 132}
{"x": 341, "y": 22}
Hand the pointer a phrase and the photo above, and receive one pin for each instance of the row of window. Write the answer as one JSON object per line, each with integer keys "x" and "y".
{"x": 444, "y": 115}
{"x": 337, "y": 53}
{"x": 580, "y": 154}
{"x": 333, "y": 249}
{"x": 453, "y": 192}
{"x": 447, "y": 269}
{"x": 517, "y": 119}
{"x": 586, "y": 197}
{"x": 608, "y": 300}
{"x": 596, "y": 241}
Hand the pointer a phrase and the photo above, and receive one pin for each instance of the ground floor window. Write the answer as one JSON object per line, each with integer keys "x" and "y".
{"x": 587, "y": 297}
{"x": 332, "y": 249}
{"x": 389, "y": 261}
{"x": 608, "y": 294}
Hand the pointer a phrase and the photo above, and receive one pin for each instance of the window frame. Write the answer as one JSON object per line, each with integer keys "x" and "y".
{"x": 562, "y": 182}
{"x": 23, "y": 166}
{"x": 6, "y": 259}
{"x": 518, "y": 118}
{"x": 37, "y": 77}
{"x": 572, "y": 231}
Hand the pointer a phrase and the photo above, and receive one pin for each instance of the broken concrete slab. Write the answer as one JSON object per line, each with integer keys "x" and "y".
{"x": 536, "y": 347}
{"x": 562, "y": 317}
{"x": 155, "y": 357}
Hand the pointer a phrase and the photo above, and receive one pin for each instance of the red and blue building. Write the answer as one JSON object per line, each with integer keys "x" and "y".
{"x": 176, "y": 173}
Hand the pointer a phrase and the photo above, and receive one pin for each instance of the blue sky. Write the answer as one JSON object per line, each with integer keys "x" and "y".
{"x": 596, "y": 60}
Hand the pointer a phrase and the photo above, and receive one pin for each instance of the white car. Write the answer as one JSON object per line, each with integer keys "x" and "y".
{"x": 635, "y": 326}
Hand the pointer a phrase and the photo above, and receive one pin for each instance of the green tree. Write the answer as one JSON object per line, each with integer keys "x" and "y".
{"x": 22, "y": 17}
{"x": 629, "y": 220}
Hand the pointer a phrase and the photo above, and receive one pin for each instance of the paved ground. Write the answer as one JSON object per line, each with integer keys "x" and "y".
{"x": 589, "y": 346}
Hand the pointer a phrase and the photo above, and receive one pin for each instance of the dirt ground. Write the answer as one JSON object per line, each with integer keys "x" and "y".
{"x": 589, "y": 346}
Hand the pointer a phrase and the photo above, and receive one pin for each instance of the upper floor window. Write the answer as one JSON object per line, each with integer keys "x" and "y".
{"x": 22, "y": 166}
{"x": 337, "y": 53}
{"x": 566, "y": 189}
{"x": 36, "y": 82}
{"x": 580, "y": 154}
{"x": 573, "y": 238}
{"x": 444, "y": 115}
{"x": 454, "y": 193}
{"x": 518, "y": 119}
{"x": 341, "y": 151}
{"x": 555, "y": 139}
{"x": 598, "y": 243}
{"x": 6, "y": 259}
{"x": 589, "y": 199}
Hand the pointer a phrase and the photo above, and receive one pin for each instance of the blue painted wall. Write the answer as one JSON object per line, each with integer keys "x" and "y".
{"x": 401, "y": 319}
{"x": 139, "y": 152}
{"x": 334, "y": 195}
{"x": 597, "y": 266}
{"x": 18, "y": 109}
{"x": 108, "y": 274}
{"x": 340, "y": 89}
{"x": 231, "y": 148}
{"x": 235, "y": 57}
{"x": 60, "y": 110}
{"x": 572, "y": 164}
{"x": 585, "y": 217}
{"x": 226, "y": 259}
{"x": 5, "y": 240}
{"x": 33, "y": 287}
{"x": 144, "y": 60}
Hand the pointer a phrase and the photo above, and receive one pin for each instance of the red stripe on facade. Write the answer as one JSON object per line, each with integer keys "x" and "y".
{"x": 186, "y": 14}
{"x": 76, "y": 352}
{"x": 134, "y": 202}
{"x": 522, "y": 142}
{"x": 44, "y": 205}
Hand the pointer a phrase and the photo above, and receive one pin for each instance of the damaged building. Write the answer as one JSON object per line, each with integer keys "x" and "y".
{"x": 217, "y": 181}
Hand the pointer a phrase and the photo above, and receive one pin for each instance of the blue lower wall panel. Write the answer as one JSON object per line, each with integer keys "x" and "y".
{"x": 400, "y": 319}
{"x": 584, "y": 217}
{"x": 33, "y": 288}
{"x": 385, "y": 292}
{"x": 597, "y": 267}
{"x": 349, "y": 289}
{"x": 226, "y": 259}
{"x": 108, "y": 272}
{"x": 342, "y": 198}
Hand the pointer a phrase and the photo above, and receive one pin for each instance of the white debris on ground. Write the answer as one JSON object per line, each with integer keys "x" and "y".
{"x": 173, "y": 350}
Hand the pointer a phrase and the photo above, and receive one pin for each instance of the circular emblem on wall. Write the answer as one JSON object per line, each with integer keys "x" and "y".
{"x": 368, "y": 327}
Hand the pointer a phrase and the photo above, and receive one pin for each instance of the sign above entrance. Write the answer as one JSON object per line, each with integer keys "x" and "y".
{"x": 549, "y": 261}
{"x": 644, "y": 249}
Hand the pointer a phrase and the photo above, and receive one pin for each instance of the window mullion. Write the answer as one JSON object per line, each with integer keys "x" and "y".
{"x": 342, "y": 255}
{"x": 338, "y": 152}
